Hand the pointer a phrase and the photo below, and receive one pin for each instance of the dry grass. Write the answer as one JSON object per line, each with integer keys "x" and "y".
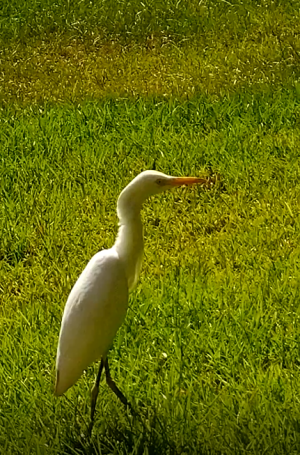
{"x": 67, "y": 69}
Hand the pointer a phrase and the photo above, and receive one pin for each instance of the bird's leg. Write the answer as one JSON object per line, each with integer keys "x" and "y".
{"x": 95, "y": 391}
{"x": 111, "y": 383}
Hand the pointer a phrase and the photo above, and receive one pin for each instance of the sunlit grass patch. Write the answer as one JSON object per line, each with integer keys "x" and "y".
{"x": 209, "y": 349}
{"x": 91, "y": 94}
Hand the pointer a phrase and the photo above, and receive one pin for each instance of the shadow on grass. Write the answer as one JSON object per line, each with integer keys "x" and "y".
{"x": 144, "y": 433}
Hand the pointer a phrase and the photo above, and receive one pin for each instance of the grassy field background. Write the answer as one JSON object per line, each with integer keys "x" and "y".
{"x": 69, "y": 51}
{"x": 209, "y": 351}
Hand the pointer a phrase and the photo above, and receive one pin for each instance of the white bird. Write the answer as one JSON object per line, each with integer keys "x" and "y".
{"x": 97, "y": 304}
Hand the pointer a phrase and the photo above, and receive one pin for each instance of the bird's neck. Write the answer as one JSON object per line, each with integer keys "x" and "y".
{"x": 129, "y": 243}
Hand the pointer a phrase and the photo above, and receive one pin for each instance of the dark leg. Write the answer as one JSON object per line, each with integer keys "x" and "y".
{"x": 111, "y": 383}
{"x": 95, "y": 391}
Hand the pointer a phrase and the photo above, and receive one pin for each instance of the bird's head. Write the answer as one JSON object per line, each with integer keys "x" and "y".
{"x": 147, "y": 184}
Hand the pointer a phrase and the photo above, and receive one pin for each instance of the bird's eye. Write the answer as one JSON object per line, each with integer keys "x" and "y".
{"x": 159, "y": 181}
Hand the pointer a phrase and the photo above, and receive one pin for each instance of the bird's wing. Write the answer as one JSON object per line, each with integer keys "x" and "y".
{"x": 95, "y": 309}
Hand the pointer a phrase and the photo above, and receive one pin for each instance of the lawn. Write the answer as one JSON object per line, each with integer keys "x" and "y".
{"x": 209, "y": 352}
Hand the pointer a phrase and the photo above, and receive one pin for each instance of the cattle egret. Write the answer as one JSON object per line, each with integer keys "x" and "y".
{"x": 97, "y": 304}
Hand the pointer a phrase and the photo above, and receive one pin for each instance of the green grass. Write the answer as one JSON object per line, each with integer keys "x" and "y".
{"x": 135, "y": 21}
{"x": 209, "y": 351}
{"x": 92, "y": 93}
{"x": 69, "y": 51}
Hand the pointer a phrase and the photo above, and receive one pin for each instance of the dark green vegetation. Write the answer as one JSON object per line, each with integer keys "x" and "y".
{"x": 135, "y": 21}
{"x": 209, "y": 351}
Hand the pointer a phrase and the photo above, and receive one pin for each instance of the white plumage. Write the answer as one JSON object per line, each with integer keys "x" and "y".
{"x": 94, "y": 311}
{"x": 97, "y": 304}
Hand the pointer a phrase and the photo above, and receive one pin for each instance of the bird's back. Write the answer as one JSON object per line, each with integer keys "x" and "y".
{"x": 95, "y": 309}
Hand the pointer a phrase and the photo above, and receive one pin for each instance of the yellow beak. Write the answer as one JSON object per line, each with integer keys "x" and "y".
{"x": 177, "y": 181}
